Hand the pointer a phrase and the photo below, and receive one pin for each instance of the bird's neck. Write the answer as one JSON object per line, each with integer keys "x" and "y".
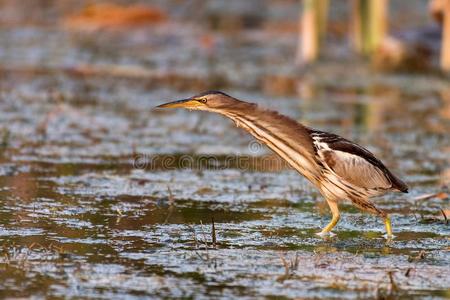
{"x": 283, "y": 135}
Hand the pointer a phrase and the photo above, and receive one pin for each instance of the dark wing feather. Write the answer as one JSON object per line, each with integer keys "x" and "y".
{"x": 361, "y": 161}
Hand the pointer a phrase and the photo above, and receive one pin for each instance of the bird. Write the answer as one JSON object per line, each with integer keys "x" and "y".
{"x": 339, "y": 168}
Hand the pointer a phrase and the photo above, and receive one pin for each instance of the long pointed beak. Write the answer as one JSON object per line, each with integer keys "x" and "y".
{"x": 185, "y": 103}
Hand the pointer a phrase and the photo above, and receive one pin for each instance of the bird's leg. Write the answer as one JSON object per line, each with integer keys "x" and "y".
{"x": 334, "y": 220}
{"x": 387, "y": 223}
{"x": 368, "y": 206}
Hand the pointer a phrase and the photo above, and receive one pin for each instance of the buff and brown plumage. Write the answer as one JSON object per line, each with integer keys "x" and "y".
{"x": 339, "y": 168}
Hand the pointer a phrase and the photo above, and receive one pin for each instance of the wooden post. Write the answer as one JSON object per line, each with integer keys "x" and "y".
{"x": 312, "y": 27}
{"x": 445, "y": 48}
{"x": 378, "y": 23}
{"x": 369, "y": 24}
{"x": 322, "y": 18}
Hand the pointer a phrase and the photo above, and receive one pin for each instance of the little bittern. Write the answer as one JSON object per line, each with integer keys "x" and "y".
{"x": 339, "y": 168}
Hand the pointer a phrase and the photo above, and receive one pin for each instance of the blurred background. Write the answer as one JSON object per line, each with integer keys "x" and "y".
{"x": 103, "y": 197}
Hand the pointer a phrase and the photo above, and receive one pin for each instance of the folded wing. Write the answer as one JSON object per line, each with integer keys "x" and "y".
{"x": 354, "y": 163}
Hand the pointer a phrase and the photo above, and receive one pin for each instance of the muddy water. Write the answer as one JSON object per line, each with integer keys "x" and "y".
{"x": 103, "y": 197}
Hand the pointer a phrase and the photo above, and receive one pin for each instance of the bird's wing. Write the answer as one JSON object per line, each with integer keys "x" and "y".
{"x": 354, "y": 163}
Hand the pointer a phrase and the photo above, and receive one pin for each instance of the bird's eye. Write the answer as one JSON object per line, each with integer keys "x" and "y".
{"x": 203, "y": 100}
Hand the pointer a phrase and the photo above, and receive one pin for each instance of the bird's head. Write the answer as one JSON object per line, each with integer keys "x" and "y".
{"x": 214, "y": 101}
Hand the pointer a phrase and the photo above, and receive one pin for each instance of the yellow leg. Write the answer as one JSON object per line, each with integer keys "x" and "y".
{"x": 387, "y": 223}
{"x": 330, "y": 225}
{"x": 334, "y": 220}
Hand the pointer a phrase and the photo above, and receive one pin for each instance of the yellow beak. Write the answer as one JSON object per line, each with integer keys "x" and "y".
{"x": 190, "y": 103}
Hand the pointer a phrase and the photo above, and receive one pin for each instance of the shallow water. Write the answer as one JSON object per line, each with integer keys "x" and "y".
{"x": 103, "y": 197}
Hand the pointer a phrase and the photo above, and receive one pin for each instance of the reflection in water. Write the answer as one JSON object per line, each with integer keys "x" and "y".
{"x": 445, "y": 111}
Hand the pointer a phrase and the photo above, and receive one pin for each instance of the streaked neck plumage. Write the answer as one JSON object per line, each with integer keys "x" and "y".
{"x": 285, "y": 136}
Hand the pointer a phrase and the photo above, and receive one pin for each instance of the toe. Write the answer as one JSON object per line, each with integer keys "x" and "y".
{"x": 325, "y": 234}
{"x": 389, "y": 236}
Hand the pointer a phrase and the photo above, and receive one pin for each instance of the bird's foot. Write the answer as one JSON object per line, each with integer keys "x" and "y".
{"x": 389, "y": 237}
{"x": 325, "y": 234}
